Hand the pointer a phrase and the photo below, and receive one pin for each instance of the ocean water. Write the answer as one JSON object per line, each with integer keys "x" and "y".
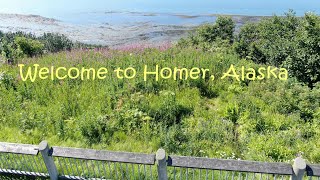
{"x": 160, "y": 12}
{"x": 131, "y": 18}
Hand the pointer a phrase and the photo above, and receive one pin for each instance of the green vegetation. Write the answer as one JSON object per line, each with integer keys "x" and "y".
{"x": 288, "y": 41}
{"x": 266, "y": 120}
{"x": 14, "y": 46}
{"x": 28, "y": 47}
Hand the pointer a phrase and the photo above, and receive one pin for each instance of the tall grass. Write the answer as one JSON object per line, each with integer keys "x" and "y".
{"x": 268, "y": 120}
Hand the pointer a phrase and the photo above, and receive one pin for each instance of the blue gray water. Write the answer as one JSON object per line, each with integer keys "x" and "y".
{"x": 98, "y": 11}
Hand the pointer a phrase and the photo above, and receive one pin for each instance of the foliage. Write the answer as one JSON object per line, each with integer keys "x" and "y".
{"x": 288, "y": 41}
{"x": 206, "y": 35}
{"x": 17, "y": 45}
{"x": 268, "y": 120}
{"x": 56, "y": 42}
{"x": 282, "y": 41}
{"x": 29, "y": 47}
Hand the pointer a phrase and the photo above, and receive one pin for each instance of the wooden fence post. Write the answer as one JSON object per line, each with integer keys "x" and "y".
{"x": 162, "y": 164}
{"x": 299, "y": 167}
{"x": 48, "y": 160}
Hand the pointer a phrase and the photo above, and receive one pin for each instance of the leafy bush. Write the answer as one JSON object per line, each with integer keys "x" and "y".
{"x": 304, "y": 61}
{"x": 14, "y": 46}
{"x": 97, "y": 129}
{"x": 207, "y": 34}
{"x": 9, "y": 50}
{"x": 56, "y": 42}
{"x": 174, "y": 140}
{"x": 166, "y": 109}
{"x": 8, "y": 81}
{"x": 245, "y": 44}
{"x": 29, "y": 47}
{"x": 222, "y": 29}
{"x": 287, "y": 41}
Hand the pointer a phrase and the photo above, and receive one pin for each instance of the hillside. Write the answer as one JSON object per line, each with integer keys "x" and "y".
{"x": 266, "y": 120}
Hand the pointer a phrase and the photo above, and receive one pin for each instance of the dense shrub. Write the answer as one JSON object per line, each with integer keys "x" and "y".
{"x": 269, "y": 40}
{"x": 29, "y": 47}
{"x": 246, "y": 43}
{"x": 304, "y": 61}
{"x": 97, "y": 129}
{"x": 165, "y": 108}
{"x": 208, "y": 34}
{"x": 282, "y": 41}
{"x": 287, "y": 41}
{"x": 14, "y": 46}
{"x": 56, "y": 42}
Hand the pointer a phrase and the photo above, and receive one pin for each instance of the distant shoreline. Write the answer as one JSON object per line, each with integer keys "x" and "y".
{"x": 109, "y": 34}
{"x": 146, "y": 13}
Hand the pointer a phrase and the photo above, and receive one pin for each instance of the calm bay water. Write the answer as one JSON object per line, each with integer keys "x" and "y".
{"x": 160, "y": 12}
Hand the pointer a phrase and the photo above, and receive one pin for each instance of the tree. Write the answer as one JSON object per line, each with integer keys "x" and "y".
{"x": 9, "y": 51}
{"x": 286, "y": 41}
{"x": 56, "y": 42}
{"x": 225, "y": 28}
{"x": 222, "y": 29}
{"x": 246, "y": 39}
{"x": 304, "y": 62}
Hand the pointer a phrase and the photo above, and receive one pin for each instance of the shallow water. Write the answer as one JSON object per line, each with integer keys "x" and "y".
{"x": 131, "y": 18}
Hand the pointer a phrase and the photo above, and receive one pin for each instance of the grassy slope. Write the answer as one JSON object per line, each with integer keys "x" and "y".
{"x": 267, "y": 120}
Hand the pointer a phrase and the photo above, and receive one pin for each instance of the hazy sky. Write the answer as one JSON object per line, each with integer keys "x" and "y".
{"x": 258, "y": 7}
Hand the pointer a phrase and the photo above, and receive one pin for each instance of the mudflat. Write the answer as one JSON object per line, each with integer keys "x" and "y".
{"x": 112, "y": 29}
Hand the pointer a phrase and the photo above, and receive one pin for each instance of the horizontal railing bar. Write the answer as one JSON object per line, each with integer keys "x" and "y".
{"x": 65, "y": 177}
{"x": 13, "y": 148}
{"x": 149, "y": 159}
{"x": 230, "y": 165}
{"x": 23, "y": 173}
{"x": 90, "y": 154}
{"x": 313, "y": 170}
